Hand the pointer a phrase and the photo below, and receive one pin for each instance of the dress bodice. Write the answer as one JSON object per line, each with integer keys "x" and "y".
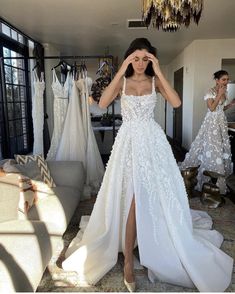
{"x": 39, "y": 84}
{"x": 212, "y": 94}
{"x": 138, "y": 108}
{"x": 59, "y": 90}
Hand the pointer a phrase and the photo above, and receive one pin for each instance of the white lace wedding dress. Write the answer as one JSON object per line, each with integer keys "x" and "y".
{"x": 211, "y": 147}
{"x": 61, "y": 99}
{"x": 38, "y": 113}
{"x": 175, "y": 245}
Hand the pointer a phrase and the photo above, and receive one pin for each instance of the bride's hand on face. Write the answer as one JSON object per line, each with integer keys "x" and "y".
{"x": 126, "y": 62}
{"x": 155, "y": 62}
{"x": 221, "y": 90}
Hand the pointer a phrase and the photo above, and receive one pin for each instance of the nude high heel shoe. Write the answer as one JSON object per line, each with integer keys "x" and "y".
{"x": 130, "y": 286}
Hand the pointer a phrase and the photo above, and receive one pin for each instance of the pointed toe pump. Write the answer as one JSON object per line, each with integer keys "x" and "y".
{"x": 130, "y": 286}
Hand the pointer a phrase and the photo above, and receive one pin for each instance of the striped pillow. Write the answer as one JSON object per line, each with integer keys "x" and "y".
{"x": 42, "y": 164}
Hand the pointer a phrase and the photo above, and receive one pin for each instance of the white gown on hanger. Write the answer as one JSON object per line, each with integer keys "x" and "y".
{"x": 175, "y": 245}
{"x": 94, "y": 163}
{"x": 61, "y": 95}
{"x": 211, "y": 147}
{"x": 38, "y": 113}
{"x": 72, "y": 145}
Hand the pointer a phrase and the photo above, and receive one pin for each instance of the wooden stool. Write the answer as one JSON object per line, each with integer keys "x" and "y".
{"x": 230, "y": 182}
{"x": 190, "y": 179}
{"x": 211, "y": 192}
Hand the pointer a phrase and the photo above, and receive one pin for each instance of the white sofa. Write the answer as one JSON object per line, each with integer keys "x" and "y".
{"x": 28, "y": 243}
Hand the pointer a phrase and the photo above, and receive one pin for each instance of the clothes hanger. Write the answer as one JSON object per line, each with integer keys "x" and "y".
{"x": 74, "y": 70}
{"x": 62, "y": 63}
{"x": 37, "y": 65}
{"x": 84, "y": 68}
{"x": 105, "y": 63}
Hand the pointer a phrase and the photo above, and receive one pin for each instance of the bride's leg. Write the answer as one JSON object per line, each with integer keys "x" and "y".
{"x": 129, "y": 243}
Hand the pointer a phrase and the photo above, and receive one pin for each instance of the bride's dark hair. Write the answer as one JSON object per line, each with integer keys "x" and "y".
{"x": 139, "y": 44}
{"x": 218, "y": 74}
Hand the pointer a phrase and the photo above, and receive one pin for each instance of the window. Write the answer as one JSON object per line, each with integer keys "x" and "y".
{"x": 16, "y": 135}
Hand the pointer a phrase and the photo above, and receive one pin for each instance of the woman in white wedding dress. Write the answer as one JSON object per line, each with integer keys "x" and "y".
{"x": 211, "y": 148}
{"x": 142, "y": 200}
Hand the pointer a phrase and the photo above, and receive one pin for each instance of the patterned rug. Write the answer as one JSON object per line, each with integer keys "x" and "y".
{"x": 55, "y": 279}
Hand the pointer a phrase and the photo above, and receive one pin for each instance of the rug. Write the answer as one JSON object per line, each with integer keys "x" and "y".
{"x": 55, "y": 279}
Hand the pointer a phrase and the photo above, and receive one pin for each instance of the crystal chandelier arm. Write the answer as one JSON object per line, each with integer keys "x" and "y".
{"x": 171, "y": 14}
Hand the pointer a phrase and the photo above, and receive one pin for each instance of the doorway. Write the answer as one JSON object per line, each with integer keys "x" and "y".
{"x": 177, "y": 112}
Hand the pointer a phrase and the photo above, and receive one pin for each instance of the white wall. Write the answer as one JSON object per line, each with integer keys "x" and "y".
{"x": 200, "y": 60}
{"x": 186, "y": 60}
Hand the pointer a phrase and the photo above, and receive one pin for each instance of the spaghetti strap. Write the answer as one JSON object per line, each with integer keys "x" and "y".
{"x": 54, "y": 76}
{"x": 42, "y": 77}
{"x": 153, "y": 84}
{"x": 124, "y": 85}
{"x": 35, "y": 76}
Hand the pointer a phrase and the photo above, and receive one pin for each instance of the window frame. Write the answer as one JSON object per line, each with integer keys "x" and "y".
{"x": 7, "y": 151}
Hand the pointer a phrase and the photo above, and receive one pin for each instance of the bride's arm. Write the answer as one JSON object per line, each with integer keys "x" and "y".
{"x": 163, "y": 85}
{"x": 111, "y": 92}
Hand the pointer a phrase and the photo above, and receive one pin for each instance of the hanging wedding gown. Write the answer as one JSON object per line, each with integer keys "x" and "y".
{"x": 211, "y": 147}
{"x": 175, "y": 245}
{"x": 94, "y": 164}
{"x": 72, "y": 145}
{"x": 61, "y": 95}
{"x": 38, "y": 113}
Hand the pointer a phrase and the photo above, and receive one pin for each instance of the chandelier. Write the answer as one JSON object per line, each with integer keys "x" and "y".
{"x": 171, "y": 14}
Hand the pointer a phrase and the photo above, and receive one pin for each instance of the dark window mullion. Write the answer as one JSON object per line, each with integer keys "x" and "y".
{"x": 23, "y": 137}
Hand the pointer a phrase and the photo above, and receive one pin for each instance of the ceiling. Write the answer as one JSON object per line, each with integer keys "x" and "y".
{"x": 82, "y": 27}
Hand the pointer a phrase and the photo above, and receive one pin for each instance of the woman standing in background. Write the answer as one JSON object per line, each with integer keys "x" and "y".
{"x": 211, "y": 147}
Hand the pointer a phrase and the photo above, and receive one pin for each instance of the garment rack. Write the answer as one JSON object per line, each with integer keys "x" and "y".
{"x": 68, "y": 57}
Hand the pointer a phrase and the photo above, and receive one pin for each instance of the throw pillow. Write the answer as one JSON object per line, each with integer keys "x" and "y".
{"x": 42, "y": 164}
{"x": 31, "y": 191}
{"x": 30, "y": 170}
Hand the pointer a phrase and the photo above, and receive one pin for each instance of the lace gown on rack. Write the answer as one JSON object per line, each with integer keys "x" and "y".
{"x": 211, "y": 147}
{"x": 61, "y": 95}
{"x": 94, "y": 165}
{"x": 38, "y": 113}
{"x": 174, "y": 243}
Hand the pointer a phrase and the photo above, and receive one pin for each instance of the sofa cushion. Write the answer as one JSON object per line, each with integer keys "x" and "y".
{"x": 10, "y": 166}
{"x": 42, "y": 164}
{"x": 27, "y": 194}
{"x": 68, "y": 173}
{"x": 25, "y": 250}
{"x": 9, "y": 197}
{"x": 58, "y": 208}
{"x": 32, "y": 191}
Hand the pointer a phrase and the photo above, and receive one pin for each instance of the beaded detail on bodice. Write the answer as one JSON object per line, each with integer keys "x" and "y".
{"x": 138, "y": 108}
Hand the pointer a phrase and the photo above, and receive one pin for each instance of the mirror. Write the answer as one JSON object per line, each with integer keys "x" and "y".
{"x": 229, "y": 65}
